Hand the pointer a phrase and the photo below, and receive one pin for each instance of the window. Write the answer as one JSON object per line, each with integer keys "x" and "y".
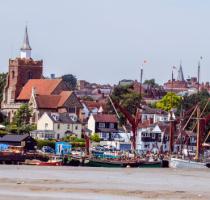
{"x": 13, "y": 74}
{"x": 68, "y": 126}
{"x": 58, "y": 126}
{"x": 30, "y": 75}
{"x": 46, "y": 125}
{"x": 76, "y": 127}
{"x": 104, "y": 135}
{"x": 111, "y": 125}
{"x": 72, "y": 110}
{"x": 58, "y": 136}
{"x": 101, "y": 125}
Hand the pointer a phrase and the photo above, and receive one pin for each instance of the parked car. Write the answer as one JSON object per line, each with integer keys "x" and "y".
{"x": 47, "y": 149}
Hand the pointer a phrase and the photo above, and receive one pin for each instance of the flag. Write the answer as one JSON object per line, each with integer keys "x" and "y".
{"x": 145, "y": 61}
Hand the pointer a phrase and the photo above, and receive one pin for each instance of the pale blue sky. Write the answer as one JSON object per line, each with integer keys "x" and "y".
{"x": 107, "y": 40}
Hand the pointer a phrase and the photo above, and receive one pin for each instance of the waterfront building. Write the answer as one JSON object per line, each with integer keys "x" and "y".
{"x": 57, "y": 126}
{"x": 25, "y": 141}
{"x": 106, "y": 125}
{"x": 153, "y": 137}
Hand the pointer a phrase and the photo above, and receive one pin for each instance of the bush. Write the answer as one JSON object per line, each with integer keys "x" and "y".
{"x": 78, "y": 144}
{"x": 73, "y": 139}
{"x": 41, "y": 143}
{"x": 3, "y": 132}
{"x": 95, "y": 138}
{"x": 12, "y": 128}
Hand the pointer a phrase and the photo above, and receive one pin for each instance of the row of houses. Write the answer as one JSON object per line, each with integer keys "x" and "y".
{"x": 59, "y": 112}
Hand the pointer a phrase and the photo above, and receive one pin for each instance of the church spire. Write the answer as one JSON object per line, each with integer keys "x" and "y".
{"x": 180, "y": 76}
{"x": 26, "y": 48}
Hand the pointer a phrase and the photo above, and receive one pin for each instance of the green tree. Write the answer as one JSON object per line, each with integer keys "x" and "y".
{"x": 191, "y": 100}
{"x": 3, "y": 77}
{"x": 22, "y": 116}
{"x": 151, "y": 83}
{"x": 70, "y": 80}
{"x": 95, "y": 137}
{"x": 127, "y": 98}
{"x": 169, "y": 101}
{"x": 188, "y": 102}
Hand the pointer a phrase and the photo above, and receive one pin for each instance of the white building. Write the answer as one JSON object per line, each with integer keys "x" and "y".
{"x": 56, "y": 126}
{"x": 153, "y": 138}
{"x": 155, "y": 115}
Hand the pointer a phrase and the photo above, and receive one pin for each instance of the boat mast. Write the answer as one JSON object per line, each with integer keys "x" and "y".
{"x": 198, "y": 146}
{"x": 180, "y": 127}
{"x": 171, "y": 145}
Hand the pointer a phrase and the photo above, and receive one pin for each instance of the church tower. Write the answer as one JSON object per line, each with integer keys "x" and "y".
{"x": 21, "y": 69}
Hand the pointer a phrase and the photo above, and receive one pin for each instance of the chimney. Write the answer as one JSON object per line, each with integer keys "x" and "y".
{"x": 52, "y": 76}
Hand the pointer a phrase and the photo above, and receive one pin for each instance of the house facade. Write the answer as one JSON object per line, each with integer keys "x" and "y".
{"x": 91, "y": 107}
{"x": 153, "y": 138}
{"x": 106, "y": 125}
{"x": 57, "y": 126}
{"x": 154, "y": 115}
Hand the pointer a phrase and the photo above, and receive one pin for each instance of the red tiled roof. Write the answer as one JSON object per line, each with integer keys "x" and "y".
{"x": 48, "y": 101}
{"x": 92, "y": 104}
{"x": 42, "y": 87}
{"x": 105, "y": 118}
{"x": 64, "y": 96}
{"x": 52, "y": 101}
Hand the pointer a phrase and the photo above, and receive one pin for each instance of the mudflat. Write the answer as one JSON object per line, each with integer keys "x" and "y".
{"x": 83, "y": 183}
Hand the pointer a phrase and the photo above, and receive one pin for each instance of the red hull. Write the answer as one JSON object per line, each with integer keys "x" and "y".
{"x": 50, "y": 164}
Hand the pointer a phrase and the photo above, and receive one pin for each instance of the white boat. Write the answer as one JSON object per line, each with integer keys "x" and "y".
{"x": 181, "y": 163}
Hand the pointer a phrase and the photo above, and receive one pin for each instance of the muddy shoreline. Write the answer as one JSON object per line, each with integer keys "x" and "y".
{"x": 35, "y": 182}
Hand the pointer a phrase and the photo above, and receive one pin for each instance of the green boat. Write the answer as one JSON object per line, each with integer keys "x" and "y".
{"x": 98, "y": 162}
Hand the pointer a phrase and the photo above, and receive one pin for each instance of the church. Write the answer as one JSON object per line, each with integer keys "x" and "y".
{"x": 26, "y": 84}
{"x": 177, "y": 85}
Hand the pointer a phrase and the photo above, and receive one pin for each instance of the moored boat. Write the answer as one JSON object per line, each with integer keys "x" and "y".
{"x": 181, "y": 163}
{"x": 98, "y": 162}
{"x": 53, "y": 161}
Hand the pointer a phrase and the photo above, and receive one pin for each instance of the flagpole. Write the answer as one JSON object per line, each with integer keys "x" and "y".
{"x": 141, "y": 77}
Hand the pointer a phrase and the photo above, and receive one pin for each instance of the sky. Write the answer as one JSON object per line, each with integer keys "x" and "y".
{"x": 105, "y": 41}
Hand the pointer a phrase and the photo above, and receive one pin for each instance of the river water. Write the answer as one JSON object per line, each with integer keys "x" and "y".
{"x": 83, "y": 183}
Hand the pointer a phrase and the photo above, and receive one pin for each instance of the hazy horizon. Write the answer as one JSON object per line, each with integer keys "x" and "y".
{"x": 107, "y": 41}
